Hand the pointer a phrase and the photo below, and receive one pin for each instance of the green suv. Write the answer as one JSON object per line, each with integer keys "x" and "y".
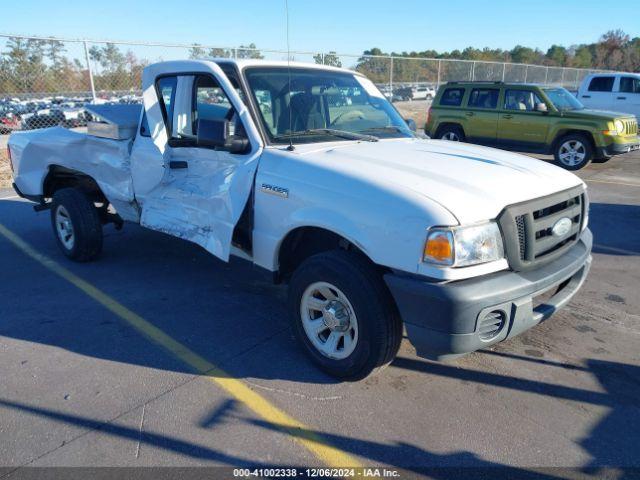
{"x": 530, "y": 118}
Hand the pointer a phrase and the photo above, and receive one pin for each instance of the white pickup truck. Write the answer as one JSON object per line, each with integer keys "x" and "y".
{"x": 618, "y": 92}
{"x": 372, "y": 227}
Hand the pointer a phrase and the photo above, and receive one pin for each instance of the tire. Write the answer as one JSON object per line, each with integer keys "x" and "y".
{"x": 373, "y": 325}
{"x": 573, "y": 152}
{"x": 452, "y": 133}
{"x": 76, "y": 225}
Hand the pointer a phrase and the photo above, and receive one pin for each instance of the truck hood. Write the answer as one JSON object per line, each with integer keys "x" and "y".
{"x": 473, "y": 183}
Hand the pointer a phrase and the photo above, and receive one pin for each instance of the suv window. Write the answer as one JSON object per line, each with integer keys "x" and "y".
{"x": 523, "y": 100}
{"x": 601, "y": 84}
{"x": 483, "y": 98}
{"x": 630, "y": 84}
{"x": 452, "y": 97}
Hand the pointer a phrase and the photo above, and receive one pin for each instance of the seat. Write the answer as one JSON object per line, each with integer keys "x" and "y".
{"x": 306, "y": 114}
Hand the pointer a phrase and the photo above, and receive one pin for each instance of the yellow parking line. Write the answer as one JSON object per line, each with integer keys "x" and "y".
{"x": 301, "y": 433}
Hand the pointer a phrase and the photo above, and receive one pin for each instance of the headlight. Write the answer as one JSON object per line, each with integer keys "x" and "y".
{"x": 464, "y": 246}
{"x": 619, "y": 127}
{"x": 585, "y": 219}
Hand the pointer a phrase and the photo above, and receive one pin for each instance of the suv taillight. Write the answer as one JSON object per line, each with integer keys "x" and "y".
{"x": 428, "y": 114}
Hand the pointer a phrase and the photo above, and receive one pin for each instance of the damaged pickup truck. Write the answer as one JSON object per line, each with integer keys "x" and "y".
{"x": 310, "y": 173}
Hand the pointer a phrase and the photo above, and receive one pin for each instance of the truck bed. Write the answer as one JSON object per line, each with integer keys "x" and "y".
{"x": 107, "y": 161}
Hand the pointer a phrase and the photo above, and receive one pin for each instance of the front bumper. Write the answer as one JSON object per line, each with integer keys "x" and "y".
{"x": 446, "y": 319}
{"x": 617, "y": 148}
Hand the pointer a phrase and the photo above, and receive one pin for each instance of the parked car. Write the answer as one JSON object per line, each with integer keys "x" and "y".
{"x": 423, "y": 92}
{"x": 530, "y": 118}
{"x": 454, "y": 242}
{"x": 403, "y": 93}
{"x": 9, "y": 121}
{"x": 619, "y": 92}
{"x": 48, "y": 117}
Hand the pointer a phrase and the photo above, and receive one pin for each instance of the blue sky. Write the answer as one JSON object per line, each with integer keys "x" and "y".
{"x": 347, "y": 26}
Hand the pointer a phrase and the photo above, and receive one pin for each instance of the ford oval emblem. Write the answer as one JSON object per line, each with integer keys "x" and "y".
{"x": 561, "y": 227}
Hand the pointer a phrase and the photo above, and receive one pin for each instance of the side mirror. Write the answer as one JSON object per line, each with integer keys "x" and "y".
{"x": 215, "y": 134}
{"x": 411, "y": 124}
{"x": 541, "y": 107}
{"x": 212, "y": 133}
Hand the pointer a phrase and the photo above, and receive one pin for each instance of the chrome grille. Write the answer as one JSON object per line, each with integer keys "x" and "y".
{"x": 630, "y": 127}
{"x": 521, "y": 235}
{"x": 528, "y": 228}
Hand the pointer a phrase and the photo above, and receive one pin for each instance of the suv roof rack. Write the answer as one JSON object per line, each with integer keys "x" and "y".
{"x": 499, "y": 82}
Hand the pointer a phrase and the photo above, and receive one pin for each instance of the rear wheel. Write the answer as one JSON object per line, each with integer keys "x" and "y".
{"x": 343, "y": 314}
{"x": 452, "y": 133}
{"x": 573, "y": 152}
{"x": 76, "y": 224}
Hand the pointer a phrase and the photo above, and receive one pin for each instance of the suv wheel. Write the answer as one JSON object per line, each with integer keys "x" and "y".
{"x": 452, "y": 133}
{"x": 76, "y": 224}
{"x": 343, "y": 314}
{"x": 573, "y": 152}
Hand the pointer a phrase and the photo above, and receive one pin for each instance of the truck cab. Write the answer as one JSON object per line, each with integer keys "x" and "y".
{"x": 618, "y": 92}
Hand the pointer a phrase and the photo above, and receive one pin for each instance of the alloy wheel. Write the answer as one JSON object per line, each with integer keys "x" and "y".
{"x": 329, "y": 320}
{"x": 572, "y": 153}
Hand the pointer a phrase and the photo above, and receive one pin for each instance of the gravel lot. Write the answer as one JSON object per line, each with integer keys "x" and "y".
{"x": 82, "y": 387}
{"x": 5, "y": 170}
{"x": 414, "y": 109}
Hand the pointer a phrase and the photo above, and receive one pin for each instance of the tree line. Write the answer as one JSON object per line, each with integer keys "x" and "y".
{"x": 615, "y": 50}
{"x": 42, "y": 66}
{"x": 35, "y": 65}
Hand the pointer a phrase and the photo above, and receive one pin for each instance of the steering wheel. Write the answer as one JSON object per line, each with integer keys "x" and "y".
{"x": 348, "y": 116}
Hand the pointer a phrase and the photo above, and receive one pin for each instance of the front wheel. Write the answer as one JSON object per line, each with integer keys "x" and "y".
{"x": 452, "y": 133}
{"x": 343, "y": 314}
{"x": 573, "y": 152}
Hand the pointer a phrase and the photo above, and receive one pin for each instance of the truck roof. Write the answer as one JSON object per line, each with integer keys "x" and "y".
{"x": 243, "y": 63}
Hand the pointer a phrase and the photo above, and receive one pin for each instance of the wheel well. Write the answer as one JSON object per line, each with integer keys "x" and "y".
{"x": 62, "y": 177}
{"x": 303, "y": 242}
{"x": 564, "y": 133}
{"x": 448, "y": 124}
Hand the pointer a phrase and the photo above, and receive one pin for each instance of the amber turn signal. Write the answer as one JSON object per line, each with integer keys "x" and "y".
{"x": 439, "y": 247}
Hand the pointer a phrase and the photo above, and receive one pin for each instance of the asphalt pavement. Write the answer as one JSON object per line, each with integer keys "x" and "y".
{"x": 158, "y": 354}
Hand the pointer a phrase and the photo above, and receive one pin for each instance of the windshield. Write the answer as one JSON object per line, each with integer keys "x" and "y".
{"x": 562, "y": 99}
{"x": 325, "y": 106}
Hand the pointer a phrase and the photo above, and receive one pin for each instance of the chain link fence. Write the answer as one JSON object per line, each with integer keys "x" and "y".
{"x": 46, "y": 81}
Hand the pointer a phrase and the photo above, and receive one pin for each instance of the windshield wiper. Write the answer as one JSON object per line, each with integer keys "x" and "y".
{"x": 330, "y": 131}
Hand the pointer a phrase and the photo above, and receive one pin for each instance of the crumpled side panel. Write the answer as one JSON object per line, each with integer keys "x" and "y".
{"x": 106, "y": 161}
{"x": 202, "y": 204}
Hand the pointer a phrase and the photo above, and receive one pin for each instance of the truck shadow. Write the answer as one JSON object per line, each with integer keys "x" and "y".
{"x": 232, "y": 316}
{"x": 616, "y": 228}
{"x": 614, "y": 439}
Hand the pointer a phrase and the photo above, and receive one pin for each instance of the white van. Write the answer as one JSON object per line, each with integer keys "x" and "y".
{"x": 619, "y": 92}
